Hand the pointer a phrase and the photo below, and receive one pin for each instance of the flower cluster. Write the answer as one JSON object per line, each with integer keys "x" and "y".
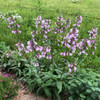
{"x": 61, "y": 25}
{"x": 93, "y": 33}
{"x": 78, "y": 20}
{"x": 30, "y": 46}
{"x": 70, "y": 42}
{"x": 6, "y": 75}
{"x": 85, "y": 44}
{"x": 44, "y": 52}
{"x": 44, "y": 26}
{"x": 46, "y": 39}
{"x": 12, "y": 24}
{"x": 20, "y": 47}
{"x": 72, "y": 67}
{"x": 5, "y": 81}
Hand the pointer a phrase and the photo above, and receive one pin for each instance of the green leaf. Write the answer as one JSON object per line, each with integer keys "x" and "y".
{"x": 56, "y": 94}
{"x": 70, "y": 98}
{"x": 47, "y": 92}
{"x": 88, "y": 91}
{"x": 5, "y": 65}
{"x": 37, "y": 92}
{"x": 24, "y": 60}
{"x": 59, "y": 86}
{"x": 82, "y": 96}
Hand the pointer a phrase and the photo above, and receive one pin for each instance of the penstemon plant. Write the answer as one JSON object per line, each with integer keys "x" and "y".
{"x": 48, "y": 44}
{"x": 53, "y": 51}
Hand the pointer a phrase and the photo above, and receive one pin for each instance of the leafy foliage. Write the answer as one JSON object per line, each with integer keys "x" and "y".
{"x": 7, "y": 87}
{"x": 84, "y": 85}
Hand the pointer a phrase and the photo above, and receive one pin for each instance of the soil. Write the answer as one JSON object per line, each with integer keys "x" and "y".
{"x": 29, "y": 96}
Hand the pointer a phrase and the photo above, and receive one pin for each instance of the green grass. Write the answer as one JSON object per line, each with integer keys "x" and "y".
{"x": 49, "y": 9}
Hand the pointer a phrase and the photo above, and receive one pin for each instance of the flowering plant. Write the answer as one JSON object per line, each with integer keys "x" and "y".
{"x": 53, "y": 53}
{"x": 49, "y": 45}
{"x": 7, "y": 87}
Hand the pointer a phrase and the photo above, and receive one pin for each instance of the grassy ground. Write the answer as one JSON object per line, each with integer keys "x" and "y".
{"x": 83, "y": 7}
{"x": 49, "y": 9}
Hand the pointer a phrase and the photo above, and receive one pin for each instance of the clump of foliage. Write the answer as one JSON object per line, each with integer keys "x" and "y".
{"x": 53, "y": 57}
{"x": 7, "y": 87}
{"x": 83, "y": 85}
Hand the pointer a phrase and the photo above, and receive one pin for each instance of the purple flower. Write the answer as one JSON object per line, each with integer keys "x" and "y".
{"x": 48, "y": 49}
{"x": 9, "y": 18}
{"x": 36, "y": 64}
{"x": 43, "y": 52}
{"x": 27, "y": 51}
{"x": 16, "y": 31}
{"x": 39, "y": 48}
{"x": 49, "y": 57}
{"x": 6, "y": 96}
{"x": 75, "y": 69}
{"x": 63, "y": 54}
{"x": 70, "y": 70}
{"x": 39, "y": 18}
{"x": 79, "y": 19}
{"x": 32, "y": 33}
{"x": 17, "y": 25}
{"x": 10, "y": 26}
{"x": 72, "y": 66}
{"x": 19, "y": 53}
{"x": 8, "y": 92}
{"x": 74, "y": 30}
{"x": 45, "y": 36}
{"x": 92, "y": 53}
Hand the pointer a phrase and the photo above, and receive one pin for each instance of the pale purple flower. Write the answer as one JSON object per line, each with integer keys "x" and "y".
{"x": 92, "y": 53}
{"x": 49, "y": 57}
{"x": 19, "y": 53}
{"x": 70, "y": 65}
{"x": 79, "y": 19}
{"x": 60, "y": 18}
{"x": 45, "y": 36}
{"x": 39, "y": 48}
{"x": 77, "y": 25}
{"x": 17, "y": 25}
{"x": 95, "y": 29}
{"x": 48, "y": 49}
{"x": 9, "y": 18}
{"x": 39, "y": 18}
{"x": 74, "y": 30}
{"x": 63, "y": 54}
{"x": 43, "y": 53}
{"x": 27, "y": 51}
{"x": 10, "y": 26}
{"x": 75, "y": 69}
{"x": 36, "y": 64}
{"x": 69, "y": 54}
{"x": 39, "y": 56}
{"x": 70, "y": 70}
{"x": 16, "y": 31}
